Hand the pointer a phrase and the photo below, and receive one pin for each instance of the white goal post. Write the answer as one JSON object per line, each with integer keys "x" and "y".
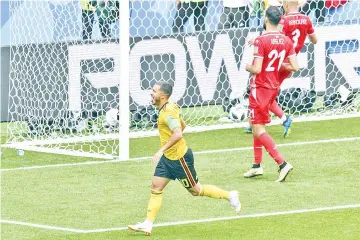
{"x": 88, "y": 97}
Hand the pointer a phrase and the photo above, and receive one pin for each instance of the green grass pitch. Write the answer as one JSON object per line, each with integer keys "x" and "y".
{"x": 112, "y": 195}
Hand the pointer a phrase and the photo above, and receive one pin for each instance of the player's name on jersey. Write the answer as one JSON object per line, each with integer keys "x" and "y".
{"x": 277, "y": 41}
{"x": 298, "y": 22}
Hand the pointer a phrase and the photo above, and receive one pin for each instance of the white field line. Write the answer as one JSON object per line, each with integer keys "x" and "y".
{"x": 196, "y": 153}
{"x": 34, "y": 225}
{"x": 256, "y": 215}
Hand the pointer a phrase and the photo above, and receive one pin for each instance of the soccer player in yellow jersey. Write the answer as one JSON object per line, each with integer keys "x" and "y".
{"x": 175, "y": 160}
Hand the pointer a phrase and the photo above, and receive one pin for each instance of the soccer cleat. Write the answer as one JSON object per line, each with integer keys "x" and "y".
{"x": 253, "y": 172}
{"x": 284, "y": 172}
{"x": 287, "y": 126}
{"x": 248, "y": 129}
{"x": 235, "y": 201}
{"x": 141, "y": 227}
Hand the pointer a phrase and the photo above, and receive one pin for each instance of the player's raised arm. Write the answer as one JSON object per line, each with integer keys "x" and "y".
{"x": 311, "y": 32}
{"x": 255, "y": 68}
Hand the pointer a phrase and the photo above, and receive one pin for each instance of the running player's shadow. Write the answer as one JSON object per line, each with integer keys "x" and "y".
{"x": 139, "y": 235}
{"x": 267, "y": 177}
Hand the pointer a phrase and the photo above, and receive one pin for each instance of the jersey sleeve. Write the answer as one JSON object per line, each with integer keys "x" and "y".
{"x": 258, "y": 48}
{"x": 172, "y": 122}
{"x": 310, "y": 29}
{"x": 172, "y": 118}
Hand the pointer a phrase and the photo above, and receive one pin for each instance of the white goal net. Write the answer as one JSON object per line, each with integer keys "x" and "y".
{"x": 65, "y": 69}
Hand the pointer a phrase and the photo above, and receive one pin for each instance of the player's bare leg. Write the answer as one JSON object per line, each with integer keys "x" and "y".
{"x": 256, "y": 169}
{"x": 158, "y": 185}
{"x": 286, "y": 120}
{"x": 266, "y": 140}
{"x": 216, "y": 192}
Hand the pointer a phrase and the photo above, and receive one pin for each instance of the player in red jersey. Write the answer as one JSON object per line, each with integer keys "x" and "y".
{"x": 270, "y": 50}
{"x": 297, "y": 27}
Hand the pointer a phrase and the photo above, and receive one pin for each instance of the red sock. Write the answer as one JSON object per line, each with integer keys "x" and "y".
{"x": 270, "y": 146}
{"x": 257, "y": 150}
{"x": 276, "y": 109}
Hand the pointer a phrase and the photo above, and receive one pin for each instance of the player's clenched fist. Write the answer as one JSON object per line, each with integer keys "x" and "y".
{"x": 156, "y": 157}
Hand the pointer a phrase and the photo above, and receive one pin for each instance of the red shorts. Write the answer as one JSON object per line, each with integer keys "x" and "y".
{"x": 260, "y": 100}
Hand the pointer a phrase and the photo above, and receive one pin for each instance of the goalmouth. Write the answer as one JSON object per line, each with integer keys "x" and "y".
{"x": 86, "y": 98}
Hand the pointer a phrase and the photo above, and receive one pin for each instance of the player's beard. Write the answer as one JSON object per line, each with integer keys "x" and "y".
{"x": 155, "y": 101}
{"x": 264, "y": 26}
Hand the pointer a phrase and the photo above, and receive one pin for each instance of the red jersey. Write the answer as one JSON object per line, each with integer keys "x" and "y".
{"x": 296, "y": 26}
{"x": 274, "y": 48}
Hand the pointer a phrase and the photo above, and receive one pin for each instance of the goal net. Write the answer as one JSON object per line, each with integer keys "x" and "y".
{"x": 65, "y": 69}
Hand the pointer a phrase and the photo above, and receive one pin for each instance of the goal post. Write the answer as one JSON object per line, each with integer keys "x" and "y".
{"x": 124, "y": 110}
{"x": 85, "y": 91}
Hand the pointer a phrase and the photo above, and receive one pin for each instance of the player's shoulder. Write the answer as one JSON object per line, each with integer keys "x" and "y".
{"x": 266, "y": 37}
{"x": 171, "y": 108}
{"x": 263, "y": 38}
{"x": 258, "y": 39}
{"x": 308, "y": 19}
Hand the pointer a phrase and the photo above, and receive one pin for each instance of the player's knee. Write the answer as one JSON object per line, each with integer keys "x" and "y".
{"x": 156, "y": 187}
{"x": 153, "y": 186}
{"x": 258, "y": 129}
{"x": 195, "y": 192}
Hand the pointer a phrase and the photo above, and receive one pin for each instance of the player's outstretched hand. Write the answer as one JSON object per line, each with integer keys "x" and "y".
{"x": 156, "y": 157}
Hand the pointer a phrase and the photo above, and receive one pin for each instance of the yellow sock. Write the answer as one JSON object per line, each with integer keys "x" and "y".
{"x": 214, "y": 192}
{"x": 154, "y": 205}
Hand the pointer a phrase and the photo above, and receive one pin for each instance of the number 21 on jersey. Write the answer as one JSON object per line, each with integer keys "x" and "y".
{"x": 273, "y": 55}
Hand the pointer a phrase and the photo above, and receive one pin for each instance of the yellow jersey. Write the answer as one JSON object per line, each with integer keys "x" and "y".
{"x": 168, "y": 120}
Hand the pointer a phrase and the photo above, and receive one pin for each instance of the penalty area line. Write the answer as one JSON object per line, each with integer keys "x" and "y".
{"x": 334, "y": 140}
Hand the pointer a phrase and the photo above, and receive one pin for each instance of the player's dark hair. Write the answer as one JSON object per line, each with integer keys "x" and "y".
{"x": 273, "y": 14}
{"x": 165, "y": 87}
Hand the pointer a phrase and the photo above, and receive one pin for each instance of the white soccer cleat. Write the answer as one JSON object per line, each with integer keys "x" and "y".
{"x": 141, "y": 227}
{"x": 253, "y": 172}
{"x": 284, "y": 172}
{"x": 235, "y": 201}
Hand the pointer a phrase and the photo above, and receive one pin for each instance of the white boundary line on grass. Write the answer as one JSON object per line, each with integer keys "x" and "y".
{"x": 256, "y": 215}
{"x": 196, "y": 153}
{"x": 34, "y": 225}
